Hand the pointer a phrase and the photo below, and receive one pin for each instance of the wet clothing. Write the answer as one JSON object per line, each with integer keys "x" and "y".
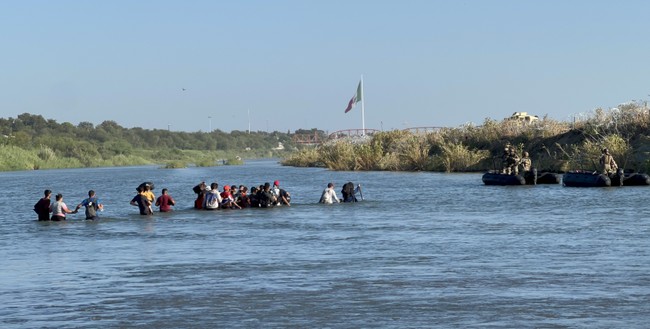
{"x": 266, "y": 199}
{"x": 150, "y": 196}
{"x": 226, "y": 199}
{"x": 283, "y": 195}
{"x": 329, "y": 196}
{"x": 212, "y": 200}
{"x": 200, "y": 195}
{"x": 198, "y": 203}
{"x": 254, "y": 200}
{"x": 142, "y": 202}
{"x": 58, "y": 210}
{"x": 243, "y": 200}
{"x": 91, "y": 205}
{"x": 275, "y": 190}
{"x": 42, "y": 208}
{"x": 165, "y": 203}
{"x": 348, "y": 192}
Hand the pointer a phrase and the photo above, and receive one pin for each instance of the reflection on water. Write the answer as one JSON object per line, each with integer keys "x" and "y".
{"x": 423, "y": 250}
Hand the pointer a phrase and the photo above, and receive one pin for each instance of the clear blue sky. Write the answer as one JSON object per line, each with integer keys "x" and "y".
{"x": 295, "y": 64}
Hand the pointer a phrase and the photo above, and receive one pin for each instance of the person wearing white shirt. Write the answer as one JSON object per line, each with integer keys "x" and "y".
{"x": 329, "y": 195}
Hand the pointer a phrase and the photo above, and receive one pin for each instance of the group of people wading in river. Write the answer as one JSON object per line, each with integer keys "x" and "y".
{"x": 58, "y": 209}
{"x": 208, "y": 197}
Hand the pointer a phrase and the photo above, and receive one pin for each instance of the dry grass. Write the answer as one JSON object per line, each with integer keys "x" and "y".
{"x": 554, "y": 145}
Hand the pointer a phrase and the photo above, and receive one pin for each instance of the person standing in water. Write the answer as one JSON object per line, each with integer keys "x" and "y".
{"x": 329, "y": 195}
{"x": 59, "y": 209}
{"x": 165, "y": 201}
{"x": 92, "y": 205}
{"x": 42, "y": 207}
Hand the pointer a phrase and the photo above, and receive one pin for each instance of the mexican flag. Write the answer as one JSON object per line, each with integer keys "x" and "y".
{"x": 355, "y": 99}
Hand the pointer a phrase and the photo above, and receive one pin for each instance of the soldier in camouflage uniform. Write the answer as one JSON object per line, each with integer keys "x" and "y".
{"x": 505, "y": 160}
{"x": 607, "y": 163}
{"x": 525, "y": 163}
{"x": 513, "y": 162}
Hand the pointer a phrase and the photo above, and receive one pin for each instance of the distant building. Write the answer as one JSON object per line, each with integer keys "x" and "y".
{"x": 523, "y": 116}
{"x": 280, "y": 146}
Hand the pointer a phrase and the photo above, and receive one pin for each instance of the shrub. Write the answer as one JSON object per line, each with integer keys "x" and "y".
{"x": 205, "y": 162}
{"x": 338, "y": 156}
{"x": 236, "y": 161}
{"x": 414, "y": 154}
{"x": 367, "y": 156}
{"x": 175, "y": 164}
{"x": 306, "y": 157}
{"x": 458, "y": 157}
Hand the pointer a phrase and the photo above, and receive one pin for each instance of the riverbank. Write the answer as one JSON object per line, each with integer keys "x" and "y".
{"x": 15, "y": 158}
{"x": 553, "y": 145}
{"x": 30, "y": 142}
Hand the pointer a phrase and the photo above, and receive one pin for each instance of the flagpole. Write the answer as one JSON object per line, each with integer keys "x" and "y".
{"x": 363, "y": 109}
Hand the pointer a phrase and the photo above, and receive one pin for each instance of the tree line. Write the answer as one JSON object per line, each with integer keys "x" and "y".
{"x": 35, "y": 142}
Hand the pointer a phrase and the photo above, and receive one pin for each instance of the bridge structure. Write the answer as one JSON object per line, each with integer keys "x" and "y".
{"x": 369, "y": 132}
{"x": 316, "y": 138}
{"x": 422, "y": 130}
{"x": 351, "y": 133}
{"x": 307, "y": 139}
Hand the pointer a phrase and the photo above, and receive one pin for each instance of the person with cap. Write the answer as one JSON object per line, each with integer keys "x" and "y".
{"x": 505, "y": 160}
{"x": 329, "y": 195}
{"x": 607, "y": 163}
{"x": 513, "y": 162}
{"x": 227, "y": 200}
{"x": 275, "y": 189}
{"x": 281, "y": 195}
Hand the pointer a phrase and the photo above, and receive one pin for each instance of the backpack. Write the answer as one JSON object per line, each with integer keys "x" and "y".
{"x": 211, "y": 201}
{"x": 91, "y": 208}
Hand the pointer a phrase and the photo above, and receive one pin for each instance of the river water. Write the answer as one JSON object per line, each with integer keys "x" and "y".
{"x": 422, "y": 250}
